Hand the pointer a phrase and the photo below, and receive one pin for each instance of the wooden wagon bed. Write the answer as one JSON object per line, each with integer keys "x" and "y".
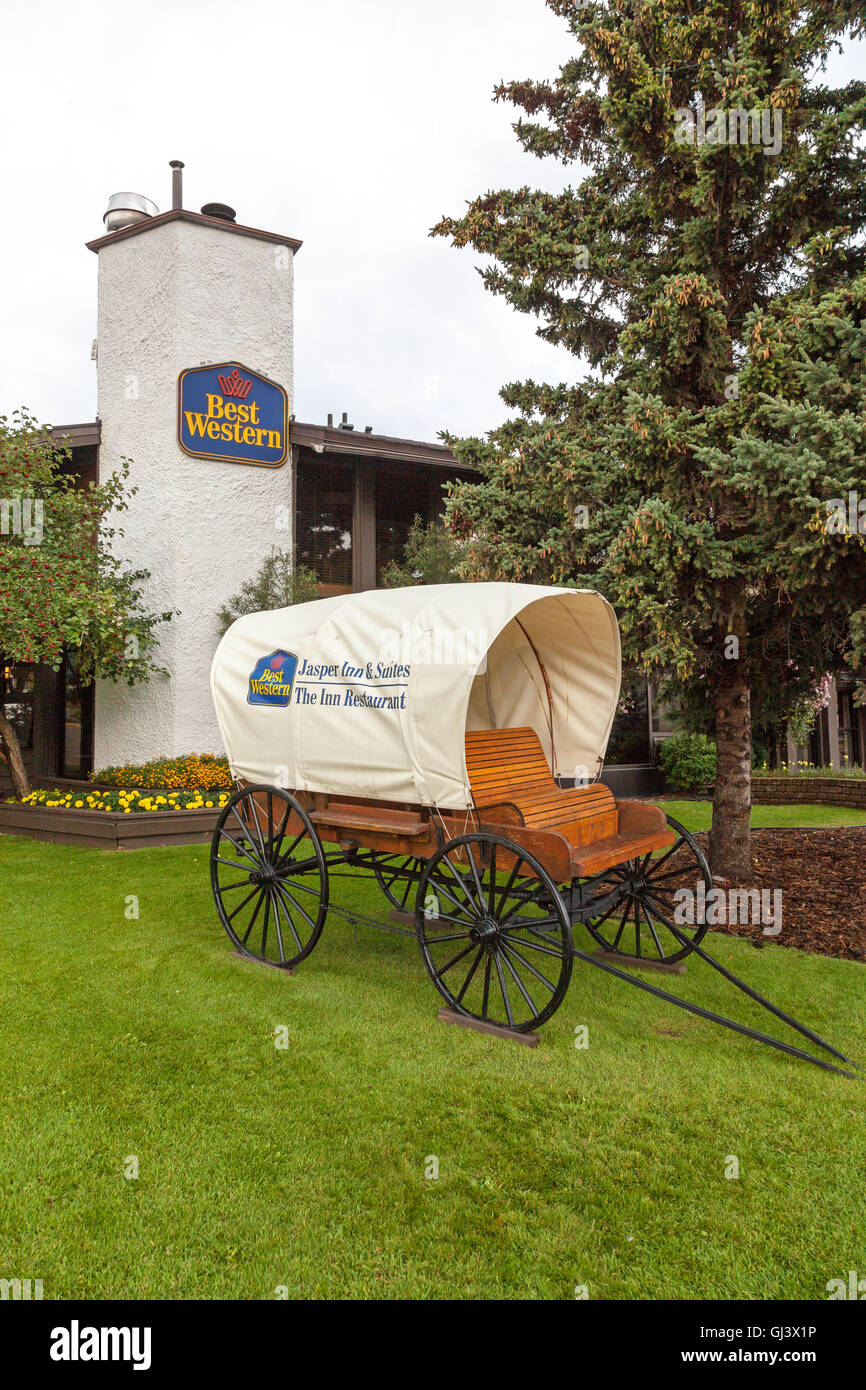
{"x": 575, "y": 832}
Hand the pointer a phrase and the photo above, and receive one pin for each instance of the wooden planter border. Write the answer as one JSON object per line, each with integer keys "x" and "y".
{"x": 108, "y": 829}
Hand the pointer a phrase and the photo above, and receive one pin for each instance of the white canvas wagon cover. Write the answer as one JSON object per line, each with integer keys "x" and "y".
{"x": 370, "y": 694}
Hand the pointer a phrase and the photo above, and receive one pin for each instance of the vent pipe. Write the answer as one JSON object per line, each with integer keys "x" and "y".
{"x": 176, "y": 166}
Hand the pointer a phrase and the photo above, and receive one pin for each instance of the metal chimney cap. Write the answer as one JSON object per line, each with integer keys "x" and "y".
{"x": 126, "y": 209}
{"x": 221, "y": 210}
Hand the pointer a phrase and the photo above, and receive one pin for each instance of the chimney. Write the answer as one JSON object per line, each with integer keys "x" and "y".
{"x": 239, "y": 319}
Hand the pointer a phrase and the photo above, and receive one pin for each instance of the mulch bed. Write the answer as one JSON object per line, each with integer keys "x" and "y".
{"x": 822, "y": 875}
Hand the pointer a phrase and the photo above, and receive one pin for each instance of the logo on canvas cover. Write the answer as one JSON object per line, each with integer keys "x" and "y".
{"x": 272, "y": 678}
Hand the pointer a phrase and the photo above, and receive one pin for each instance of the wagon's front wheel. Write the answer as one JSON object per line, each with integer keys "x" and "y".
{"x": 269, "y": 876}
{"x": 494, "y": 932}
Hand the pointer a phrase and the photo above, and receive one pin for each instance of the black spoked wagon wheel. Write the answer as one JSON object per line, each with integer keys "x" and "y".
{"x": 269, "y": 876}
{"x": 494, "y": 932}
{"x": 397, "y": 875}
{"x": 640, "y": 922}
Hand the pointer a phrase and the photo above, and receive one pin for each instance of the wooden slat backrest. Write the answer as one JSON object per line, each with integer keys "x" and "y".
{"x": 508, "y": 765}
{"x": 499, "y": 761}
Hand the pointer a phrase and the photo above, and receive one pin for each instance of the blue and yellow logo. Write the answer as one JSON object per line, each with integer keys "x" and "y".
{"x": 272, "y": 678}
{"x": 230, "y": 413}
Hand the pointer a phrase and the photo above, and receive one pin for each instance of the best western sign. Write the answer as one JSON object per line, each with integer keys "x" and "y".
{"x": 230, "y": 413}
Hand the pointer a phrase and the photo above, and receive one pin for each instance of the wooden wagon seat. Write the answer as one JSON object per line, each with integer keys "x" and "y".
{"x": 512, "y": 783}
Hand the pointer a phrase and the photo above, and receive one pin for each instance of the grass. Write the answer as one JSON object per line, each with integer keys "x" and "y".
{"x": 698, "y": 815}
{"x": 304, "y": 1167}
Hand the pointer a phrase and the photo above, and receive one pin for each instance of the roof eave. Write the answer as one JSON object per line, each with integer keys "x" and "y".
{"x": 333, "y": 440}
{"x": 185, "y": 215}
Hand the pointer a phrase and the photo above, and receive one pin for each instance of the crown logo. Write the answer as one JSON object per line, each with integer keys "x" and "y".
{"x": 235, "y": 385}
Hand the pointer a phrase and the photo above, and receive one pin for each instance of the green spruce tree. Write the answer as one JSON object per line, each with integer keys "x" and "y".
{"x": 708, "y": 269}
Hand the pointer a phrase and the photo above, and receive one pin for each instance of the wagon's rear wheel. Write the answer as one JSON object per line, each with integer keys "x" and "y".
{"x": 269, "y": 876}
{"x": 397, "y": 875}
{"x": 640, "y": 922}
{"x": 494, "y": 932}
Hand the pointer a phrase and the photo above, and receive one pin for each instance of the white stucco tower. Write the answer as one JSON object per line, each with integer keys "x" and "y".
{"x": 178, "y": 291}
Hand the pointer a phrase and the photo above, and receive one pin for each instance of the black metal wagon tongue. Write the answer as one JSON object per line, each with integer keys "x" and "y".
{"x": 727, "y": 1022}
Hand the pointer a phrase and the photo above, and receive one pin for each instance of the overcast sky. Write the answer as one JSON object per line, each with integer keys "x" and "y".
{"x": 350, "y": 124}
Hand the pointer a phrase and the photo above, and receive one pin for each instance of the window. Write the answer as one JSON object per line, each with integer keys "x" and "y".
{"x": 17, "y": 689}
{"x": 629, "y": 739}
{"x": 401, "y": 495}
{"x": 325, "y": 509}
{"x": 77, "y": 731}
{"x": 665, "y": 719}
{"x": 849, "y": 751}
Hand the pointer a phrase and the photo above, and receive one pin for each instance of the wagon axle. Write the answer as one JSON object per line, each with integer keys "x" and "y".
{"x": 266, "y": 874}
{"x": 484, "y": 931}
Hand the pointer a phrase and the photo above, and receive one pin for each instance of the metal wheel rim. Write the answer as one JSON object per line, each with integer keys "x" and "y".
{"x": 264, "y": 891}
{"x": 390, "y": 869}
{"x": 503, "y": 976}
{"x": 637, "y": 924}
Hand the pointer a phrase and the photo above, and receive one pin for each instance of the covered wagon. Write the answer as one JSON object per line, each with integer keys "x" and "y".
{"x": 447, "y": 740}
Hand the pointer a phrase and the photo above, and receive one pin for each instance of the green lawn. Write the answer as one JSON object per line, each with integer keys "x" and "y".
{"x": 697, "y": 815}
{"x": 304, "y": 1167}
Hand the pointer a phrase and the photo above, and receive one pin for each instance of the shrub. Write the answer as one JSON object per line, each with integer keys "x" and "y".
{"x": 278, "y": 583}
{"x": 688, "y": 762}
{"x": 195, "y": 771}
{"x": 431, "y": 555}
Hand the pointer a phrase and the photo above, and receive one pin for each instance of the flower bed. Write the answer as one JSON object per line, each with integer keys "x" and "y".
{"x": 126, "y": 800}
{"x": 810, "y": 770}
{"x": 116, "y": 817}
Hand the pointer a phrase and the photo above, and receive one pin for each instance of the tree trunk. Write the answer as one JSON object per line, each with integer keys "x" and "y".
{"x": 10, "y": 752}
{"x": 730, "y": 838}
